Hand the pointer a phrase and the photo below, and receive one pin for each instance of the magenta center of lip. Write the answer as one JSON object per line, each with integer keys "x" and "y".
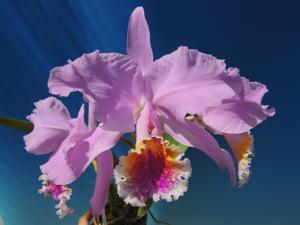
{"x": 55, "y": 191}
{"x": 151, "y": 171}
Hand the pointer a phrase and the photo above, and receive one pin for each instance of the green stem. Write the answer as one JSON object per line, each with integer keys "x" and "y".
{"x": 144, "y": 210}
{"x": 127, "y": 142}
{"x": 115, "y": 220}
{"x": 23, "y": 125}
{"x": 156, "y": 220}
{"x": 112, "y": 198}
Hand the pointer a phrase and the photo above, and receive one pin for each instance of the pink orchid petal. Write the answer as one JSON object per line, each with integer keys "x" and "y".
{"x": 112, "y": 80}
{"x": 230, "y": 166}
{"x": 57, "y": 168}
{"x": 103, "y": 181}
{"x": 138, "y": 39}
{"x": 236, "y": 117}
{"x": 50, "y": 118}
{"x": 191, "y": 134}
{"x": 78, "y": 125}
{"x": 75, "y": 155}
{"x": 188, "y": 81}
{"x": 253, "y": 91}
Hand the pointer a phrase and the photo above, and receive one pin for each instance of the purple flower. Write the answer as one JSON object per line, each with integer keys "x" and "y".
{"x": 73, "y": 147}
{"x": 60, "y": 193}
{"x": 235, "y": 117}
{"x": 187, "y": 94}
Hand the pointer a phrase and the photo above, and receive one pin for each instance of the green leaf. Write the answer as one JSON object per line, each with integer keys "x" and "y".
{"x": 144, "y": 210}
{"x": 181, "y": 147}
{"x": 22, "y": 125}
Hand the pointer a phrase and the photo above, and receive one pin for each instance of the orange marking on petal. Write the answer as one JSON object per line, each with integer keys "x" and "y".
{"x": 242, "y": 147}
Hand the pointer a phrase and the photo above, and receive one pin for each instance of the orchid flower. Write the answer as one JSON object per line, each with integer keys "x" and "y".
{"x": 235, "y": 117}
{"x": 135, "y": 93}
{"x": 73, "y": 146}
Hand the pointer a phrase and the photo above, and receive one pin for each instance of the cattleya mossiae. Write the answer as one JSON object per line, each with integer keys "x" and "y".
{"x": 186, "y": 94}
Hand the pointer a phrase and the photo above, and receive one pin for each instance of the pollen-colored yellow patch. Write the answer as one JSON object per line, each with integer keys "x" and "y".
{"x": 156, "y": 148}
{"x": 95, "y": 165}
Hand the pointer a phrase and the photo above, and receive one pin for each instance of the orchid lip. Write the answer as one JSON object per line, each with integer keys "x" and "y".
{"x": 60, "y": 193}
{"x": 155, "y": 170}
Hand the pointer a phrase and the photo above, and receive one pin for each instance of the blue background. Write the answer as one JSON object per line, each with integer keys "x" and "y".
{"x": 260, "y": 37}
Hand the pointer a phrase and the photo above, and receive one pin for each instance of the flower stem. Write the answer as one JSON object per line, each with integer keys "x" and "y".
{"x": 156, "y": 220}
{"x": 114, "y": 221}
{"x": 23, "y": 125}
{"x": 127, "y": 142}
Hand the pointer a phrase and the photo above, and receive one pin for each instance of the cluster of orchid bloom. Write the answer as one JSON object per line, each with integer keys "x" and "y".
{"x": 186, "y": 94}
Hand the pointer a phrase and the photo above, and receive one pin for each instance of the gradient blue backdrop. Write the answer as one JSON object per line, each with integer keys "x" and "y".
{"x": 260, "y": 37}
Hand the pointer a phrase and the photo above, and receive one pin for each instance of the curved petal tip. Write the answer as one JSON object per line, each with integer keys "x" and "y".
{"x": 138, "y": 39}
